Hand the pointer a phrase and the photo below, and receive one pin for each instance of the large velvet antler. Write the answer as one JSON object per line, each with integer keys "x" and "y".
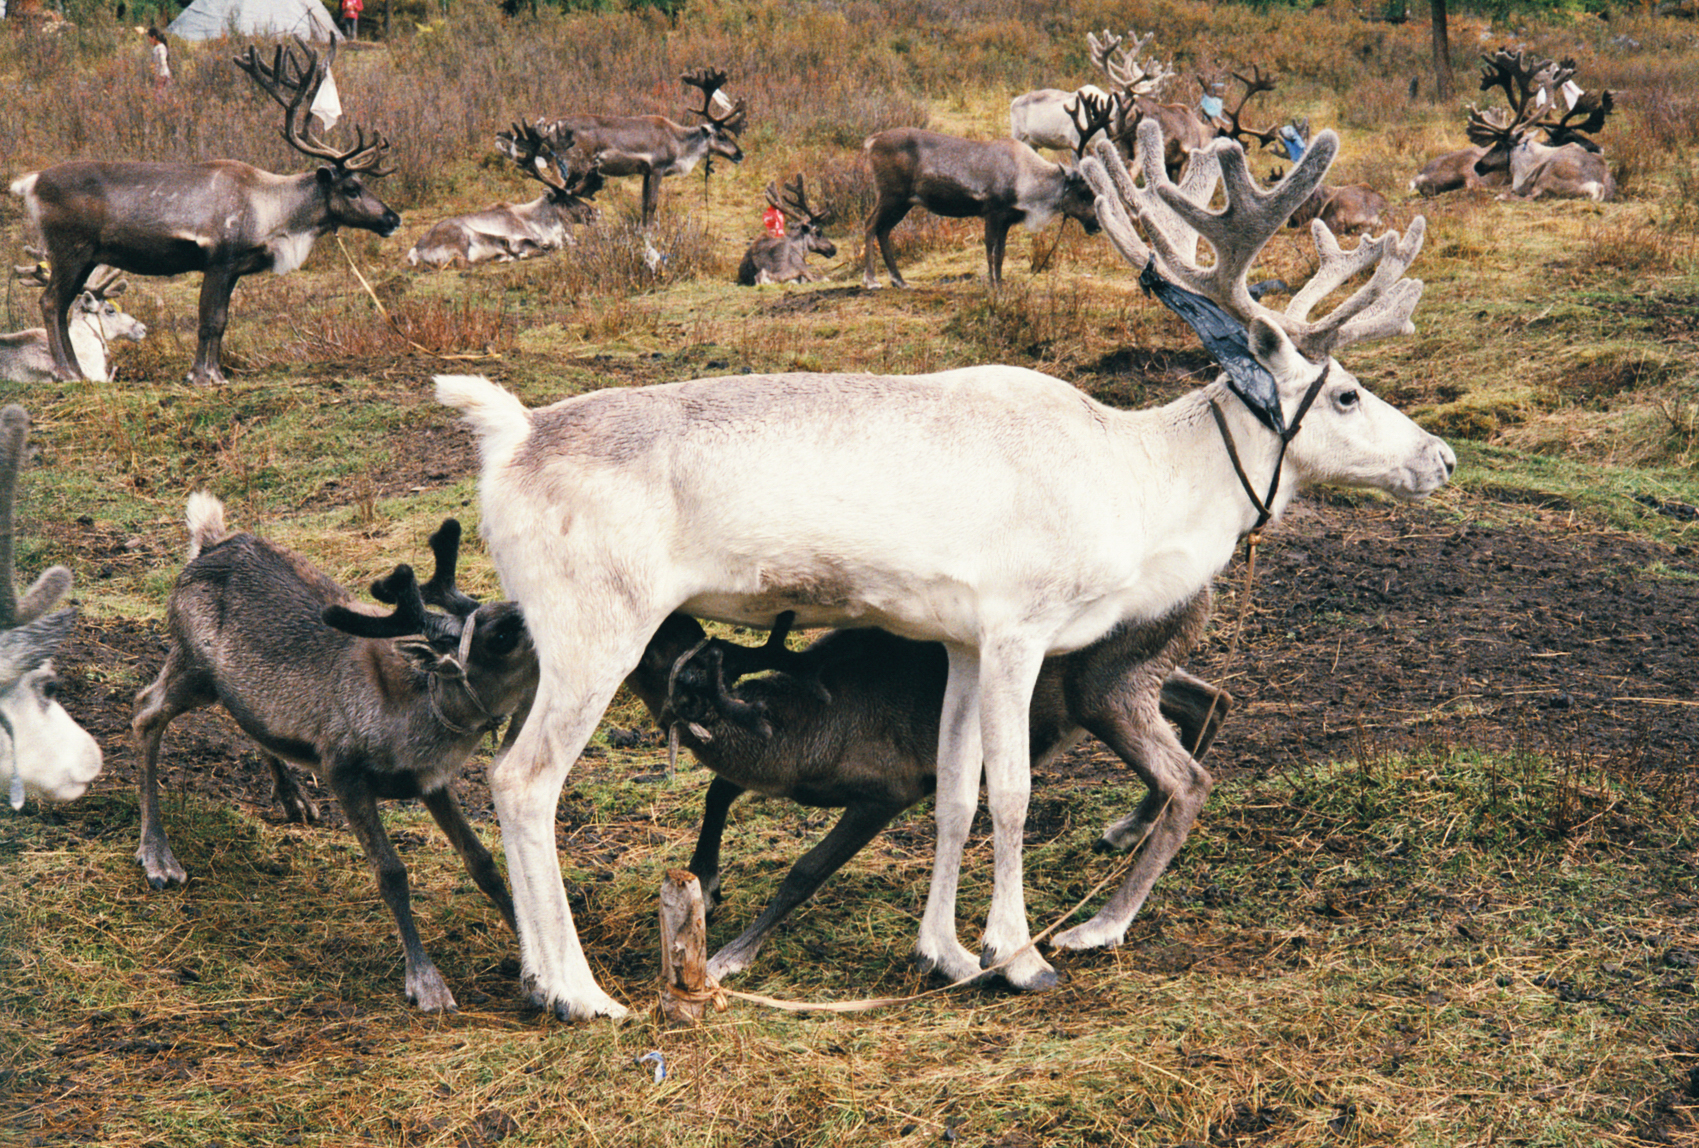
{"x": 1174, "y": 218}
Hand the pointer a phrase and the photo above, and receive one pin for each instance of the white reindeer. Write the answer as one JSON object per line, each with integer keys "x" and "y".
{"x": 42, "y": 750}
{"x": 994, "y": 509}
{"x": 96, "y": 323}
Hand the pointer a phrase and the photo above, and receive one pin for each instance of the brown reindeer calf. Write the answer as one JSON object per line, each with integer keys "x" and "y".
{"x": 852, "y": 722}
{"x": 387, "y": 707}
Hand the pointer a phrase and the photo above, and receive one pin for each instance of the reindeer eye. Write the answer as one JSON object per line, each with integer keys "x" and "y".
{"x": 1348, "y": 399}
{"x": 50, "y": 689}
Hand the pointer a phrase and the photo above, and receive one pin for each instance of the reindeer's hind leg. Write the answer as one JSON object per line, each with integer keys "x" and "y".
{"x": 479, "y": 864}
{"x": 71, "y": 270}
{"x": 177, "y": 690}
{"x": 297, "y": 806}
{"x": 1177, "y": 789}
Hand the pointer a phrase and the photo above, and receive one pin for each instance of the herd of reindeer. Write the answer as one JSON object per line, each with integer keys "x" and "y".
{"x": 1015, "y": 565}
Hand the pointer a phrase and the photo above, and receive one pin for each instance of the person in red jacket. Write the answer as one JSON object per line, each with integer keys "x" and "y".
{"x": 774, "y": 221}
{"x": 351, "y": 10}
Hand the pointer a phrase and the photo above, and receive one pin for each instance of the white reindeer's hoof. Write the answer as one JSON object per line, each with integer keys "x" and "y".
{"x": 956, "y": 965}
{"x": 1029, "y": 972}
{"x": 585, "y": 1006}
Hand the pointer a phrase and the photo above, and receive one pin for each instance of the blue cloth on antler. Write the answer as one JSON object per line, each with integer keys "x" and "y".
{"x": 1225, "y": 338}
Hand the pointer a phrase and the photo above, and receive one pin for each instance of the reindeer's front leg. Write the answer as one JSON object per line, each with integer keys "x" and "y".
{"x": 216, "y": 285}
{"x": 425, "y": 985}
{"x": 880, "y": 221}
{"x": 937, "y": 949}
{"x": 651, "y": 196}
{"x": 480, "y": 866}
{"x": 996, "y": 240}
{"x": 1008, "y": 670}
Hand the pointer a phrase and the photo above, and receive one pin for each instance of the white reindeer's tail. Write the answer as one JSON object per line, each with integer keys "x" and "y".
{"x": 500, "y": 421}
{"x": 206, "y": 522}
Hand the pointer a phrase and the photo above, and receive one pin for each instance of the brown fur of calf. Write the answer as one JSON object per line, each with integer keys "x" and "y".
{"x": 852, "y": 722}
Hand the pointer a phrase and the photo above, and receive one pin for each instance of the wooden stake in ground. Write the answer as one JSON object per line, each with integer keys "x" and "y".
{"x": 686, "y": 991}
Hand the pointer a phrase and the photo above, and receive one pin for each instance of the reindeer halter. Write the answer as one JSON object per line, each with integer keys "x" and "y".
{"x": 1224, "y": 338}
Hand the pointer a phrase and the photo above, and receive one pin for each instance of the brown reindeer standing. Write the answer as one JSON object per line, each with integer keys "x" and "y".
{"x": 654, "y": 147}
{"x": 1003, "y": 182}
{"x": 222, "y": 218}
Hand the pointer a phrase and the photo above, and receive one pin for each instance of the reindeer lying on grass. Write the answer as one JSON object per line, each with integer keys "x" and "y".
{"x": 388, "y": 707}
{"x": 994, "y": 509}
{"x": 784, "y": 258}
{"x": 95, "y": 323}
{"x": 852, "y": 722}
{"x": 512, "y": 231}
{"x": 42, "y": 750}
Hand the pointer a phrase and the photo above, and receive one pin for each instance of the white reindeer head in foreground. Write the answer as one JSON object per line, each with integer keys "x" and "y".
{"x": 42, "y": 751}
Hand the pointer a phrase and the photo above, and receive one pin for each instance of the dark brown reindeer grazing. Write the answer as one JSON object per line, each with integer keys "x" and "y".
{"x": 852, "y": 722}
{"x": 222, "y": 218}
{"x": 1003, "y": 182}
{"x": 386, "y": 707}
{"x": 784, "y": 259}
{"x": 654, "y": 147}
{"x": 520, "y": 230}
{"x": 1543, "y": 97}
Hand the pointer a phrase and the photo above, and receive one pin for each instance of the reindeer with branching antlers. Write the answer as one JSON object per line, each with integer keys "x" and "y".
{"x": 1543, "y": 97}
{"x": 42, "y": 750}
{"x": 222, "y": 218}
{"x": 96, "y": 322}
{"x": 1003, "y": 182}
{"x": 570, "y": 177}
{"x": 654, "y": 147}
{"x": 784, "y": 258}
{"x": 994, "y": 509}
{"x": 1137, "y": 87}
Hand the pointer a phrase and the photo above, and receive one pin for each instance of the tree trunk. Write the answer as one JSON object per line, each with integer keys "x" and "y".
{"x": 1442, "y": 54}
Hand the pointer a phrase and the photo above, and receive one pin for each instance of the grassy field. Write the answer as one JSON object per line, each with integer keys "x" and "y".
{"x": 1477, "y": 939}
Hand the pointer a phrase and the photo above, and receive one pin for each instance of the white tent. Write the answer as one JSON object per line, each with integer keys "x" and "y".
{"x": 209, "y": 19}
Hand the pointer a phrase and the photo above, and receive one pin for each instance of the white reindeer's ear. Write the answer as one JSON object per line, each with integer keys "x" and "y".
{"x": 1275, "y": 350}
